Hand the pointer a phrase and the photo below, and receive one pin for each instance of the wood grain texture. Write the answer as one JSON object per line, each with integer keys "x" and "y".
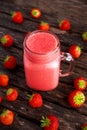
{"x": 56, "y": 101}
{"x": 75, "y": 10}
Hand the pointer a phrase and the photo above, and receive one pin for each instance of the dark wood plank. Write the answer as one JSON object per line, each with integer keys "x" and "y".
{"x": 76, "y": 15}
{"x": 20, "y": 122}
{"x": 67, "y": 118}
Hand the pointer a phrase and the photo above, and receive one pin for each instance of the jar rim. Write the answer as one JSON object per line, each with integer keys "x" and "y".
{"x": 36, "y": 53}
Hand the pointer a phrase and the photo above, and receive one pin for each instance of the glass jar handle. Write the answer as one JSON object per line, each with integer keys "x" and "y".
{"x": 67, "y": 57}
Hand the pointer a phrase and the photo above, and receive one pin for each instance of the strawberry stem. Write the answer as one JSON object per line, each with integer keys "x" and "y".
{"x": 59, "y": 22}
{"x": 79, "y": 98}
{"x": 9, "y": 91}
{"x": 12, "y": 13}
{"x": 35, "y": 12}
{"x": 30, "y": 96}
{"x": 6, "y": 58}
{"x": 1, "y": 73}
{"x": 3, "y": 40}
{"x": 43, "y": 23}
{"x": 45, "y": 121}
{"x": 4, "y": 112}
{"x": 82, "y": 83}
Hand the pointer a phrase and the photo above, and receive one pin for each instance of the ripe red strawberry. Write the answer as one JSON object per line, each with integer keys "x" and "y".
{"x": 64, "y": 25}
{"x": 80, "y": 83}
{"x": 4, "y": 79}
{"x": 50, "y": 122}
{"x": 76, "y": 99}
{"x": 84, "y": 126}
{"x": 84, "y": 36}
{"x": 7, "y": 40}
{"x": 35, "y": 13}
{"x": 75, "y": 51}
{"x": 10, "y": 62}
{"x": 35, "y": 100}
{"x": 11, "y": 94}
{"x": 7, "y": 117}
{"x": 44, "y": 26}
{"x": 0, "y": 99}
{"x": 17, "y": 17}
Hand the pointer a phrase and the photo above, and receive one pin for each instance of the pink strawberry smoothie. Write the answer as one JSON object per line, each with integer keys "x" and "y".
{"x": 41, "y": 61}
{"x": 41, "y": 43}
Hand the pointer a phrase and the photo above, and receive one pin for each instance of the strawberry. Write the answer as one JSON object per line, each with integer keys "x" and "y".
{"x": 50, "y": 122}
{"x": 10, "y": 62}
{"x": 44, "y": 26}
{"x": 80, "y": 83}
{"x": 84, "y": 36}
{"x": 35, "y": 13}
{"x": 4, "y": 79}
{"x": 64, "y": 25}
{"x": 7, "y": 40}
{"x": 84, "y": 126}
{"x": 17, "y": 17}
{"x": 75, "y": 51}
{"x": 11, "y": 94}
{"x": 7, "y": 117}
{"x": 1, "y": 99}
{"x": 35, "y": 100}
{"x": 76, "y": 99}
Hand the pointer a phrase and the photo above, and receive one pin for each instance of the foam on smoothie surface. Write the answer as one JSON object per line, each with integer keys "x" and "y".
{"x": 41, "y": 42}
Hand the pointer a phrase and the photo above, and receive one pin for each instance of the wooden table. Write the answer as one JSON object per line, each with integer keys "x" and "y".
{"x": 56, "y": 101}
